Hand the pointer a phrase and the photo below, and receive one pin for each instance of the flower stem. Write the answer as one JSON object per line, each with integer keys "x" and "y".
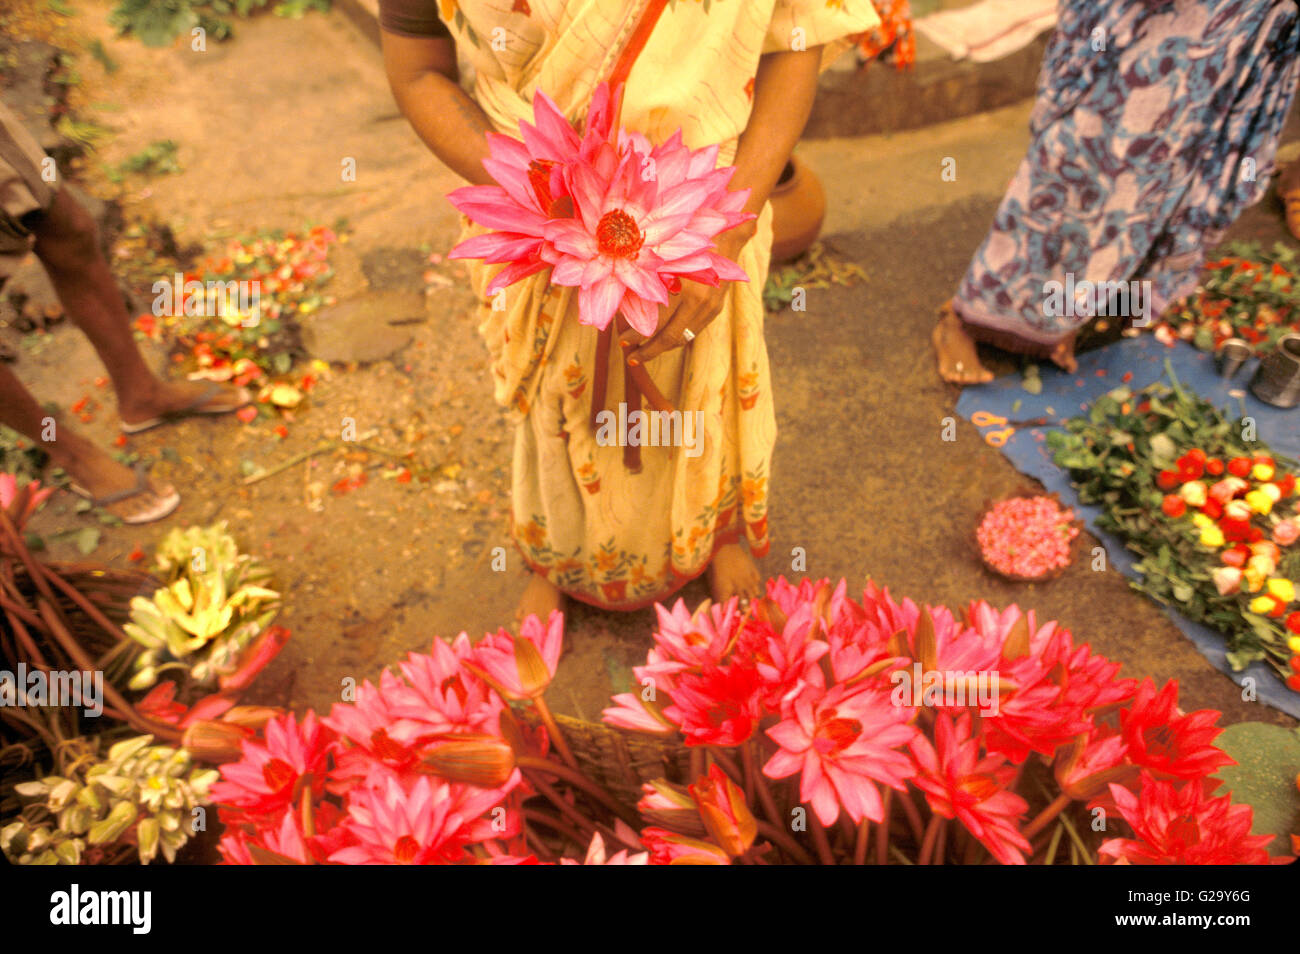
{"x": 913, "y": 816}
{"x": 532, "y": 763}
{"x": 860, "y": 846}
{"x": 1057, "y": 806}
{"x": 780, "y": 839}
{"x": 882, "y": 831}
{"x": 931, "y": 835}
{"x": 819, "y": 840}
{"x": 552, "y": 727}
{"x": 585, "y": 827}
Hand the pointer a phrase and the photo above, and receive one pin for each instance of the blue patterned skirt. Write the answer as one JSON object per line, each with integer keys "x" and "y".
{"x": 1156, "y": 124}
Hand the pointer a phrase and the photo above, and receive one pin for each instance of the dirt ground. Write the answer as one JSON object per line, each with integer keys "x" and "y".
{"x": 862, "y": 481}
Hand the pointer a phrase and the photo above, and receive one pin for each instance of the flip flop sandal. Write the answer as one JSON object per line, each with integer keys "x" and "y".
{"x": 193, "y": 409}
{"x": 164, "y": 506}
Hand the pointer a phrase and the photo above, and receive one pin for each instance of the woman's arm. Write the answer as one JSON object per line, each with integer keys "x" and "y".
{"x": 422, "y": 73}
{"x": 784, "y": 89}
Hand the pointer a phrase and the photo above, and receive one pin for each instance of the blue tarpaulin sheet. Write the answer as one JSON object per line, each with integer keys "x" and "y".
{"x": 1067, "y": 395}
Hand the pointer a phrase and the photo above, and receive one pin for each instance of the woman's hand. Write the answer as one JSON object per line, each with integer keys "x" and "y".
{"x": 691, "y": 309}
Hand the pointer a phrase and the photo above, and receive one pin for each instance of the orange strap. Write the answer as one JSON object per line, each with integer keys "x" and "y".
{"x": 636, "y": 380}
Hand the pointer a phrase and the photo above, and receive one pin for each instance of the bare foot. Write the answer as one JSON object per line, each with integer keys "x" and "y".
{"x": 102, "y": 478}
{"x": 733, "y": 572}
{"x": 959, "y": 362}
{"x": 171, "y": 397}
{"x": 1063, "y": 355}
{"x": 539, "y": 599}
{"x": 1288, "y": 187}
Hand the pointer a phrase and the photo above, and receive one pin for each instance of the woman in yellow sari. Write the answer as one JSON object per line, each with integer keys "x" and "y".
{"x": 739, "y": 73}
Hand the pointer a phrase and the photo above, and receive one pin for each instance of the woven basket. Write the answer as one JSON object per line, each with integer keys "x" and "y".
{"x": 621, "y": 760}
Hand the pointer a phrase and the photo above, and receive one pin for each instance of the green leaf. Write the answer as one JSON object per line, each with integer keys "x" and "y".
{"x": 87, "y": 539}
{"x": 1268, "y": 760}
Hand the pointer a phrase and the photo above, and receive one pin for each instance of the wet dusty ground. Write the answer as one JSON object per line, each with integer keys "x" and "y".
{"x": 862, "y": 482}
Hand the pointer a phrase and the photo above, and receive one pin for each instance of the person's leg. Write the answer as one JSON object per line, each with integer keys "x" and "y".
{"x": 90, "y": 467}
{"x": 1288, "y": 187}
{"x": 541, "y": 596}
{"x": 67, "y": 246}
{"x": 733, "y": 572}
{"x": 959, "y": 361}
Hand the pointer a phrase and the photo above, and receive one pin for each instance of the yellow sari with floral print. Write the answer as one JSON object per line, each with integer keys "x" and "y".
{"x": 601, "y": 533}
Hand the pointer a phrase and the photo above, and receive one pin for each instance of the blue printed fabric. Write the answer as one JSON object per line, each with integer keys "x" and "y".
{"x": 1156, "y": 124}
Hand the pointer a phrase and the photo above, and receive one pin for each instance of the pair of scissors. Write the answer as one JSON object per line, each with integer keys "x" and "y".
{"x": 1000, "y": 437}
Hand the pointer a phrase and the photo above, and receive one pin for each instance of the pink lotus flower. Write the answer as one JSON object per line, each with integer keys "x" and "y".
{"x": 413, "y": 823}
{"x": 976, "y": 791}
{"x": 1167, "y": 743}
{"x": 646, "y": 218}
{"x": 530, "y": 191}
{"x": 10, "y": 492}
{"x": 688, "y": 641}
{"x": 631, "y": 713}
{"x": 1180, "y": 825}
{"x": 596, "y": 855}
{"x": 843, "y": 741}
{"x": 720, "y": 706}
{"x": 623, "y": 221}
{"x": 519, "y": 667}
{"x": 271, "y": 774}
{"x": 669, "y": 848}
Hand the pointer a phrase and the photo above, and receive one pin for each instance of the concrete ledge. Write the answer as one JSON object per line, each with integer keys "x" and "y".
{"x": 879, "y": 99}
{"x": 856, "y": 102}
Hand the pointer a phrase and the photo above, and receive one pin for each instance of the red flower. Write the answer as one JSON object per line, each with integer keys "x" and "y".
{"x": 1240, "y": 466}
{"x": 1182, "y": 826}
{"x": 1167, "y": 479}
{"x": 1173, "y": 506}
{"x": 1166, "y": 742}
{"x": 977, "y": 792}
{"x": 1293, "y": 622}
{"x": 1286, "y": 484}
{"x": 720, "y": 706}
{"x": 1190, "y": 468}
{"x": 1214, "y": 467}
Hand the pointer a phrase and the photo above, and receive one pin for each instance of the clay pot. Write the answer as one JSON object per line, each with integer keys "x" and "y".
{"x": 1277, "y": 379}
{"x": 798, "y": 207}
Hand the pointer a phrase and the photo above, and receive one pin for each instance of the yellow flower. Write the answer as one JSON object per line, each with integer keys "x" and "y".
{"x": 1202, "y": 520}
{"x": 1281, "y": 588}
{"x": 1293, "y": 644}
{"x": 1262, "y": 605}
{"x": 1254, "y": 579}
{"x": 1259, "y": 501}
{"x": 1262, "y": 472}
{"x": 1212, "y": 537}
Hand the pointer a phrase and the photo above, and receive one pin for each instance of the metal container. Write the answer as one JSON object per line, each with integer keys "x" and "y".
{"x": 1233, "y": 353}
{"x": 1277, "y": 380}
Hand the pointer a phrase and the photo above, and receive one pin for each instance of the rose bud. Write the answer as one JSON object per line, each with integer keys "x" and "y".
{"x": 1227, "y": 580}
{"x": 670, "y": 806}
{"x": 1266, "y": 549}
{"x": 1193, "y": 492}
{"x": 1237, "y": 556}
{"x": 1173, "y": 506}
{"x": 1259, "y": 501}
{"x": 1281, "y": 588}
{"x": 1237, "y": 510}
{"x": 1286, "y": 533}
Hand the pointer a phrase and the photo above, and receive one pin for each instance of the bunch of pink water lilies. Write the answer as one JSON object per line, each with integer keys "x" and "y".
{"x": 621, "y": 220}
{"x": 819, "y": 729}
